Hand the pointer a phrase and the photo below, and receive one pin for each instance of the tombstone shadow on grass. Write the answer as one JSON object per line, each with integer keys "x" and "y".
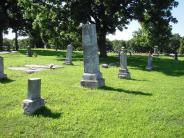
{"x": 137, "y": 79}
{"x": 46, "y": 112}
{"x": 6, "y": 80}
{"x": 166, "y": 66}
{"x": 108, "y": 88}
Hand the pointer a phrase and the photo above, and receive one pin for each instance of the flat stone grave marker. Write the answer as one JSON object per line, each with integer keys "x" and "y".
{"x": 35, "y": 68}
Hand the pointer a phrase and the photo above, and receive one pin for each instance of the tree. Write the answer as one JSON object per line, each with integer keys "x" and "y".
{"x": 52, "y": 20}
{"x": 142, "y": 39}
{"x": 4, "y": 6}
{"x": 118, "y": 44}
{"x": 109, "y": 15}
{"x": 16, "y": 21}
{"x": 174, "y": 43}
{"x": 156, "y": 19}
{"x": 106, "y": 14}
{"x": 182, "y": 45}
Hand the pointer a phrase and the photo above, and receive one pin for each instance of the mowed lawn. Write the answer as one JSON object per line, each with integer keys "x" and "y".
{"x": 150, "y": 105}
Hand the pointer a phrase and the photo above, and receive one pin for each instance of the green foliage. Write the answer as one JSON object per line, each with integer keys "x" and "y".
{"x": 118, "y": 44}
{"x": 52, "y": 19}
{"x": 23, "y": 43}
{"x": 174, "y": 43}
{"x": 181, "y": 45}
{"x": 142, "y": 40}
{"x": 149, "y": 105}
{"x": 156, "y": 19}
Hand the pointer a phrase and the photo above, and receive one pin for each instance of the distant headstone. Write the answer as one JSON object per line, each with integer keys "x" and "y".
{"x": 29, "y": 51}
{"x": 149, "y": 63}
{"x": 123, "y": 71}
{"x": 68, "y": 59}
{"x": 2, "y": 75}
{"x": 155, "y": 51}
{"x": 176, "y": 55}
{"x": 92, "y": 77}
{"x": 34, "y": 100}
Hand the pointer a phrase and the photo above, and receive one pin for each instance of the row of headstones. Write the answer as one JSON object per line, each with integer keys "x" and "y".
{"x": 92, "y": 77}
{"x": 68, "y": 59}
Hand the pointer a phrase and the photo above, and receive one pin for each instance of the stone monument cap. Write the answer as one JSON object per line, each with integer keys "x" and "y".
{"x": 34, "y": 79}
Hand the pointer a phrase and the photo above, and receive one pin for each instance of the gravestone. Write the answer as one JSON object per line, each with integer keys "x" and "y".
{"x": 149, "y": 63}
{"x": 155, "y": 51}
{"x": 92, "y": 77}
{"x": 34, "y": 100}
{"x": 68, "y": 59}
{"x": 29, "y": 51}
{"x": 2, "y": 75}
{"x": 176, "y": 55}
{"x": 123, "y": 71}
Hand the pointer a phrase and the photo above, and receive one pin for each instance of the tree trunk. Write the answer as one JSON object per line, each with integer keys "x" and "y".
{"x": 102, "y": 44}
{"x": 1, "y": 40}
{"x": 16, "y": 41}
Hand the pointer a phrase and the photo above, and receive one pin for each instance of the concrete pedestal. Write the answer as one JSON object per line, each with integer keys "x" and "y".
{"x": 92, "y": 81}
{"x": 124, "y": 74}
{"x": 3, "y": 76}
{"x": 30, "y": 106}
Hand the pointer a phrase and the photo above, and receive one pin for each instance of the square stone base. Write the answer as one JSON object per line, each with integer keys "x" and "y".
{"x": 148, "y": 68}
{"x": 92, "y": 81}
{"x": 68, "y": 62}
{"x": 3, "y": 76}
{"x": 30, "y": 106}
{"x": 124, "y": 74}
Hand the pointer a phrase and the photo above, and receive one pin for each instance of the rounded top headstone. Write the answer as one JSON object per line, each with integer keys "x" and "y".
{"x": 34, "y": 79}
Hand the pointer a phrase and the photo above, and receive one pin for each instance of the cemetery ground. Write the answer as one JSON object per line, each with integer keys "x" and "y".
{"x": 151, "y": 104}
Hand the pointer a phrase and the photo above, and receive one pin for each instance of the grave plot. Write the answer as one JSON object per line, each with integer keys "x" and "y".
{"x": 35, "y": 68}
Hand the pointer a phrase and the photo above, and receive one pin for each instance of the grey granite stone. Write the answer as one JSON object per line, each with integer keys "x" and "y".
{"x": 68, "y": 59}
{"x": 35, "y": 68}
{"x": 123, "y": 72}
{"x": 29, "y": 51}
{"x": 149, "y": 62}
{"x": 2, "y": 75}
{"x": 30, "y": 106}
{"x": 92, "y": 78}
{"x": 156, "y": 53}
{"x": 34, "y": 100}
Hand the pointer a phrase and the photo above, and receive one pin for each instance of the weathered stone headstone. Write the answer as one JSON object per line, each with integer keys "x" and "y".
{"x": 92, "y": 77}
{"x": 149, "y": 64}
{"x": 34, "y": 100}
{"x": 123, "y": 71}
{"x": 68, "y": 59}
{"x": 155, "y": 51}
{"x": 29, "y": 51}
{"x": 176, "y": 55}
{"x": 2, "y": 75}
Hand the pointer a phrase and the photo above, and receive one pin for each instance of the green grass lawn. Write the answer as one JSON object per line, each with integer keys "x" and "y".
{"x": 150, "y": 105}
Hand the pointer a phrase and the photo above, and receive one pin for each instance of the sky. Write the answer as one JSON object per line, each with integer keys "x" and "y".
{"x": 126, "y": 34}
